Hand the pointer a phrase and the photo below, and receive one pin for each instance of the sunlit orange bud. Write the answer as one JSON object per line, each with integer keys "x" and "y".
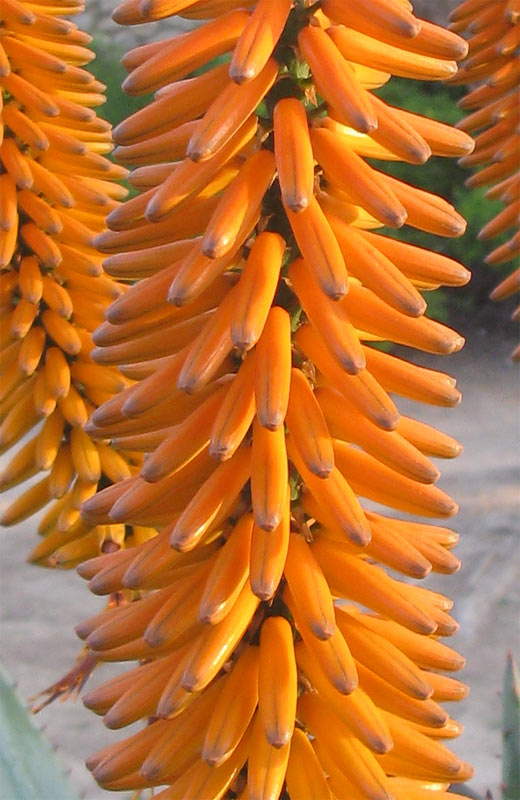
{"x": 393, "y": 19}
{"x": 184, "y": 54}
{"x": 336, "y": 80}
{"x": 235, "y": 413}
{"x": 390, "y": 488}
{"x": 258, "y": 39}
{"x": 229, "y": 112}
{"x": 16, "y": 164}
{"x": 214, "y": 646}
{"x": 228, "y": 575}
{"x": 347, "y": 423}
{"x": 266, "y": 765}
{"x": 374, "y": 269}
{"x": 320, "y": 249}
{"x": 31, "y": 350}
{"x": 335, "y": 495}
{"x": 358, "y": 179}
{"x": 256, "y": 289}
{"x": 293, "y": 152}
{"x": 362, "y": 769}
{"x": 359, "y": 47}
{"x": 244, "y": 193}
{"x": 328, "y": 317}
{"x": 352, "y": 577}
{"x": 356, "y": 710}
{"x": 208, "y": 350}
{"x": 364, "y": 389}
{"x": 189, "y": 178}
{"x": 307, "y": 426}
{"x": 212, "y": 501}
{"x": 273, "y": 369}
{"x": 269, "y": 474}
{"x": 268, "y": 555}
{"x": 183, "y": 442}
{"x": 309, "y": 589}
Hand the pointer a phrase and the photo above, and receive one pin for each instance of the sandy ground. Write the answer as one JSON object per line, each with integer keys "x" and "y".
{"x": 40, "y": 608}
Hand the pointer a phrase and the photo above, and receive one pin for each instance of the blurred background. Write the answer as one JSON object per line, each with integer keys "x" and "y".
{"x": 40, "y": 608}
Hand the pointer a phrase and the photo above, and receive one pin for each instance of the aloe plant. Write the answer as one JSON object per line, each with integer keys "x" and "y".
{"x": 29, "y": 768}
{"x": 510, "y": 739}
{"x": 511, "y": 732}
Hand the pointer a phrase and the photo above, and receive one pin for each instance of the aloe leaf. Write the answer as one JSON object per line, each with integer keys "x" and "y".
{"x": 29, "y": 768}
{"x": 511, "y": 732}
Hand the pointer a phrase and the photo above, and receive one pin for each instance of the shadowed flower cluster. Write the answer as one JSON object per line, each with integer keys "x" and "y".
{"x": 56, "y": 187}
{"x": 493, "y": 70}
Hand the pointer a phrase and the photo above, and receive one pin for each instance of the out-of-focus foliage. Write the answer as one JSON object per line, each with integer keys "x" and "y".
{"x": 511, "y": 731}
{"x": 107, "y": 68}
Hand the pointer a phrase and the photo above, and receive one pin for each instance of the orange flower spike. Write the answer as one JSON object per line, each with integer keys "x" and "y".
{"x": 267, "y": 248}
{"x": 293, "y": 152}
{"x": 258, "y": 39}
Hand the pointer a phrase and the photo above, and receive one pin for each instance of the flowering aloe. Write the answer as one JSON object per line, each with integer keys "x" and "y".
{"x": 493, "y": 69}
{"x": 56, "y": 187}
{"x": 264, "y": 402}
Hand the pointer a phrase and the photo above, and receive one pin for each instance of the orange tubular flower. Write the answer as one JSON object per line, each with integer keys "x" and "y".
{"x": 493, "y": 70}
{"x": 56, "y": 186}
{"x": 263, "y": 401}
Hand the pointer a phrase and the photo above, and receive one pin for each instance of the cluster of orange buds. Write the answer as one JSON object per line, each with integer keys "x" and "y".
{"x": 278, "y": 655}
{"x": 56, "y": 187}
{"x": 493, "y": 67}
